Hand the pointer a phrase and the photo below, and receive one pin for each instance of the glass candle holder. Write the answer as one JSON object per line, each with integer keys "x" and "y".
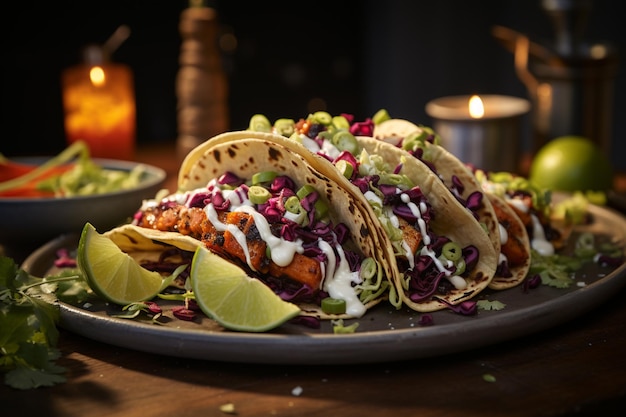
{"x": 99, "y": 108}
{"x": 484, "y": 131}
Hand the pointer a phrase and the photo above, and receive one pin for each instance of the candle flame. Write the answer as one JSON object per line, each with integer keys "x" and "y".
{"x": 476, "y": 108}
{"x": 97, "y": 77}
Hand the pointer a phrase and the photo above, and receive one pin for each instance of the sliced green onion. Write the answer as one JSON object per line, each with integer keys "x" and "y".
{"x": 285, "y": 127}
{"x": 327, "y": 134}
{"x": 260, "y": 123}
{"x": 380, "y": 116}
{"x": 452, "y": 251}
{"x": 585, "y": 245}
{"x": 392, "y": 179}
{"x": 340, "y": 328}
{"x": 292, "y": 205}
{"x": 258, "y": 194}
{"x": 322, "y": 117}
{"x": 414, "y": 140}
{"x": 333, "y": 305}
{"x": 263, "y": 177}
{"x": 345, "y": 168}
{"x": 345, "y": 141}
{"x": 295, "y": 136}
{"x": 304, "y": 191}
{"x": 460, "y": 266}
{"x": 321, "y": 208}
{"x": 340, "y": 122}
{"x": 430, "y": 131}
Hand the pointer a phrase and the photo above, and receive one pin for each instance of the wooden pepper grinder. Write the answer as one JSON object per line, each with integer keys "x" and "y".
{"x": 201, "y": 84}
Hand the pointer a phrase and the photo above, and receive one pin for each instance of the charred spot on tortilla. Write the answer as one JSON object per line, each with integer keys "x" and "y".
{"x": 274, "y": 153}
{"x": 352, "y": 208}
{"x": 217, "y": 155}
{"x": 232, "y": 151}
{"x": 329, "y": 195}
{"x": 460, "y": 297}
{"x": 480, "y": 277}
{"x": 316, "y": 174}
{"x": 490, "y": 223}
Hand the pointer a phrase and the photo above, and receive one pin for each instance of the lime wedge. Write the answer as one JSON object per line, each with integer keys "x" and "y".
{"x": 236, "y": 301}
{"x": 112, "y": 274}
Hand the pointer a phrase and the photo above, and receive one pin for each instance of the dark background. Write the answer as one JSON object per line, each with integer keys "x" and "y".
{"x": 354, "y": 56}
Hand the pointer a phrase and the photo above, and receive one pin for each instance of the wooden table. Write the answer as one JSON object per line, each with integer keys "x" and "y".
{"x": 577, "y": 368}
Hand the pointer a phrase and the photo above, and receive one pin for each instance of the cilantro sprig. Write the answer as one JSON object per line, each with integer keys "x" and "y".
{"x": 28, "y": 324}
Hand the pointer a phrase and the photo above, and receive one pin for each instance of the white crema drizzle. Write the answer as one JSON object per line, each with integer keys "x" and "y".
{"x": 338, "y": 283}
{"x": 337, "y": 278}
{"x": 458, "y": 282}
{"x": 539, "y": 241}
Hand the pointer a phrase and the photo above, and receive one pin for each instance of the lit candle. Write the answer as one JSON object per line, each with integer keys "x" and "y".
{"x": 484, "y": 131}
{"x": 99, "y": 105}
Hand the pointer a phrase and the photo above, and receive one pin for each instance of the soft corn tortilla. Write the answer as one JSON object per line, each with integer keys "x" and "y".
{"x": 245, "y": 155}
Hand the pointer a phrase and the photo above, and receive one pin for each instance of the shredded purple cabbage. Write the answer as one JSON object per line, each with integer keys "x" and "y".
{"x": 426, "y": 320}
{"x": 365, "y": 128}
{"x": 153, "y": 307}
{"x": 64, "y": 259}
{"x": 611, "y": 261}
{"x": 199, "y": 199}
{"x": 183, "y": 313}
{"x": 229, "y": 178}
{"x": 531, "y": 282}
{"x": 503, "y": 270}
{"x": 457, "y": 184}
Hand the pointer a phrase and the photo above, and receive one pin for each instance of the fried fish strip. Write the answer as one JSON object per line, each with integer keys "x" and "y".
{"x": 411, "y": 236}
{"x": 194, "y": 222}
{"x": 514, "y": 248}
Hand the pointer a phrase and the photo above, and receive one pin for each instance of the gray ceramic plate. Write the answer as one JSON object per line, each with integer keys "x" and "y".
{"x": 384, "y": 334}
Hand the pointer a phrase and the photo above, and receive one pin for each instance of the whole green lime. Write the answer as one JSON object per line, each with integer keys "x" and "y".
{"x": 571, "y": 163}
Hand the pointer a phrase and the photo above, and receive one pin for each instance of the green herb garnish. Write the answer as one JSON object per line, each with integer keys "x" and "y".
{"x": 28, "y": 320}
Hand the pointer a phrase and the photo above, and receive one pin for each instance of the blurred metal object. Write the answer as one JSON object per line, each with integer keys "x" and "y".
{"x": 570, "y": 81}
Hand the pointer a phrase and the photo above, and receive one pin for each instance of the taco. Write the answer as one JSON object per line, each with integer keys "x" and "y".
{"x": 422, "y": 143}
{"x": 453, "y": 258}
{"x": 508, "y": 234}
{"x": 515, "y": 255}
{"x": 439, "y": 254}
{"x": 266, "y": 208}
{"x": 532, "y": 205}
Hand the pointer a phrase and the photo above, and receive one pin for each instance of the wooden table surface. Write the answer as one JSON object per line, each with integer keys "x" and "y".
{"x": 577, "y": 368}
